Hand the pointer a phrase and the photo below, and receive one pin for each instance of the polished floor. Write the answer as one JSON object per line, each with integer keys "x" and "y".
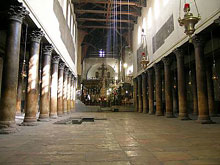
{"x": 115, "y": 138}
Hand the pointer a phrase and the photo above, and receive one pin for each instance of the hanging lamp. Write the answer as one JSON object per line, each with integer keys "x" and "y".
{"x": 188, "y": 21}
{"x": 24, "y": 65}
{"x": 214, "y": 73}
{"x": 144, "y": 60}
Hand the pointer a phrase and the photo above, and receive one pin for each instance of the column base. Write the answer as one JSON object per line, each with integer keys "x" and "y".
{"x": 30, "y": 119}
{"x": 43, "y": 120}
{"x": 29, "y": 124}
{"x": 8, "y": 127}
{"x": 18, "y": 113}
{"x": 204, "y": 120}
{"x": 213, "y": 115}
{"x": 59, "y": 114}
{"x": 53, "y": 116}
{"x": 184, "y": 118}
{"x": 169, "y": 115}
{"x": 159, "y": 114}
{"x": 151, "y": 113}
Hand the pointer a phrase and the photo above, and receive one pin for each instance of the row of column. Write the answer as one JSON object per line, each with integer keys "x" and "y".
{"x": 57, "y": 92}
{"x": 203, "y": 94}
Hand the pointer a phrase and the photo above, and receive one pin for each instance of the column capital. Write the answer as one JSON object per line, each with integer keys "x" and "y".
{"x": 47, "y": 50}
{"x": 143, "y": 74}
{"x": 198, "y": 41}
{"x": 179, "y": 53}
{"x": 150, "y": 71}
{"x": 157, "y": 67}
{"x": 70, "y": 74}
{"x": 36, "y": 35}
{"x": 55, "y": 59}
{"x": 167, "y": 61}
{"x": 217, "y": 21}
{"x": 61, "y": 65}
{"x": 17, "y": 12}
{"x": 66, "y": 70}
{"x": 73, "y": 78}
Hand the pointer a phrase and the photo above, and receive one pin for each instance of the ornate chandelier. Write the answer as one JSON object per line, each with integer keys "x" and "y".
{"x": 189, "y": 21}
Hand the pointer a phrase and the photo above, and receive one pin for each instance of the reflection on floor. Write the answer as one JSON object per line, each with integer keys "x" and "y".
{"x": 124, "y": 138}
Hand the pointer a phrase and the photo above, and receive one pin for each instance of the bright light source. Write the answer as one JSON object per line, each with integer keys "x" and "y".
{"x": 101, "y": 53}
{"x": 116, "y": 77}
{"x": 125, "y": 65}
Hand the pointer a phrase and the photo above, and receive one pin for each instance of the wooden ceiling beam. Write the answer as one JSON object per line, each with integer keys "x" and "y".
{"x": 102, "y": 27}
{"x": 104, "y": 20}
{"x": 105, "y": 12}
{"x": 106, "y": 2}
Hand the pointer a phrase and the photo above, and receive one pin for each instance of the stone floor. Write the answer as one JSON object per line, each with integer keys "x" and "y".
{"x": 125, "y": 138}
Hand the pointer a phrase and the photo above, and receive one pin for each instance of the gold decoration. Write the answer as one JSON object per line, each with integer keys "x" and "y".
{"x": 189, "y": 21}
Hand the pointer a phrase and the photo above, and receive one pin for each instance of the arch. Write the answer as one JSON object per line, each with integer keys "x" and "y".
{"x": 94, "y": 68}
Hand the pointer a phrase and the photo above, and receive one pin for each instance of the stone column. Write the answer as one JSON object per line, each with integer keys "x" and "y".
{"x": 201, "y": 81}
{"x": 144, "y": 93}
{"x": 210, "y": 90}
{"x": 65, "y": 79}
{"x": 10, "y": 69}
{"x": 140, "y": 101}
{"x": 194, "y": 92}
{"x": 135, "y": 94}
{"x": 33, "y": 85}
{"x": 54, "y": 86}
{"x": 168, "y": 87}
{"x": 150, "y": 91}
{"x": 45, "y": 89}
{"x": 69, "y": 92}
{"x": 183, "y": 115}
{"x": 175, "y": 99}
{"x": 60, "y": 106}
{"x": 19, "y": 93}
{"x": 158, "y": 86}
{"x": 72, "y": 93}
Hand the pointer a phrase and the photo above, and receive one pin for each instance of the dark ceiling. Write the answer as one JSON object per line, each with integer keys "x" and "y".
{"x": 108, "y": 23}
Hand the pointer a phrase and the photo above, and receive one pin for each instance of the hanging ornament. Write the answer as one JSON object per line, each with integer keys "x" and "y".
{"x": 144, "y": 60}
{"x": 190, "y": 78}
{"x": 188, "y": 21}
{"x": 214, "y": 73}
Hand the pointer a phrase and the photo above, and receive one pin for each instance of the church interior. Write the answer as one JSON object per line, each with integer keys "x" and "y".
{"x": 110, "y": 82}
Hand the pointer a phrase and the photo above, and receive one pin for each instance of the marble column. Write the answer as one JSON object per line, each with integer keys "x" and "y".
{"x": 210, "y": 90}
{"x": 45, "y": 89}
{"x": 60, "y": 106}
{"x": 69, "y": 92}
{"x": 201, "y": 81}
{"x": 144, "y": 93}
{"x": 54, "y": 86}
{"x": 65, "y": 79}
{"x": 168, "y": 86}
{"x": 33, "y": 80}
{"x": 158, "y": 89}
{"x": 135, "y": 94}
{"x": 194, "y": 92}
{"x": 150, "y": 90}
{"x": 10, "y": 69}
{"x": 183, "y": 115}
{"x": 140, "y": 100}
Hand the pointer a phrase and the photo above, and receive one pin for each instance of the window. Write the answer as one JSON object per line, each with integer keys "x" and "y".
{"x": 101, "y": 53}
